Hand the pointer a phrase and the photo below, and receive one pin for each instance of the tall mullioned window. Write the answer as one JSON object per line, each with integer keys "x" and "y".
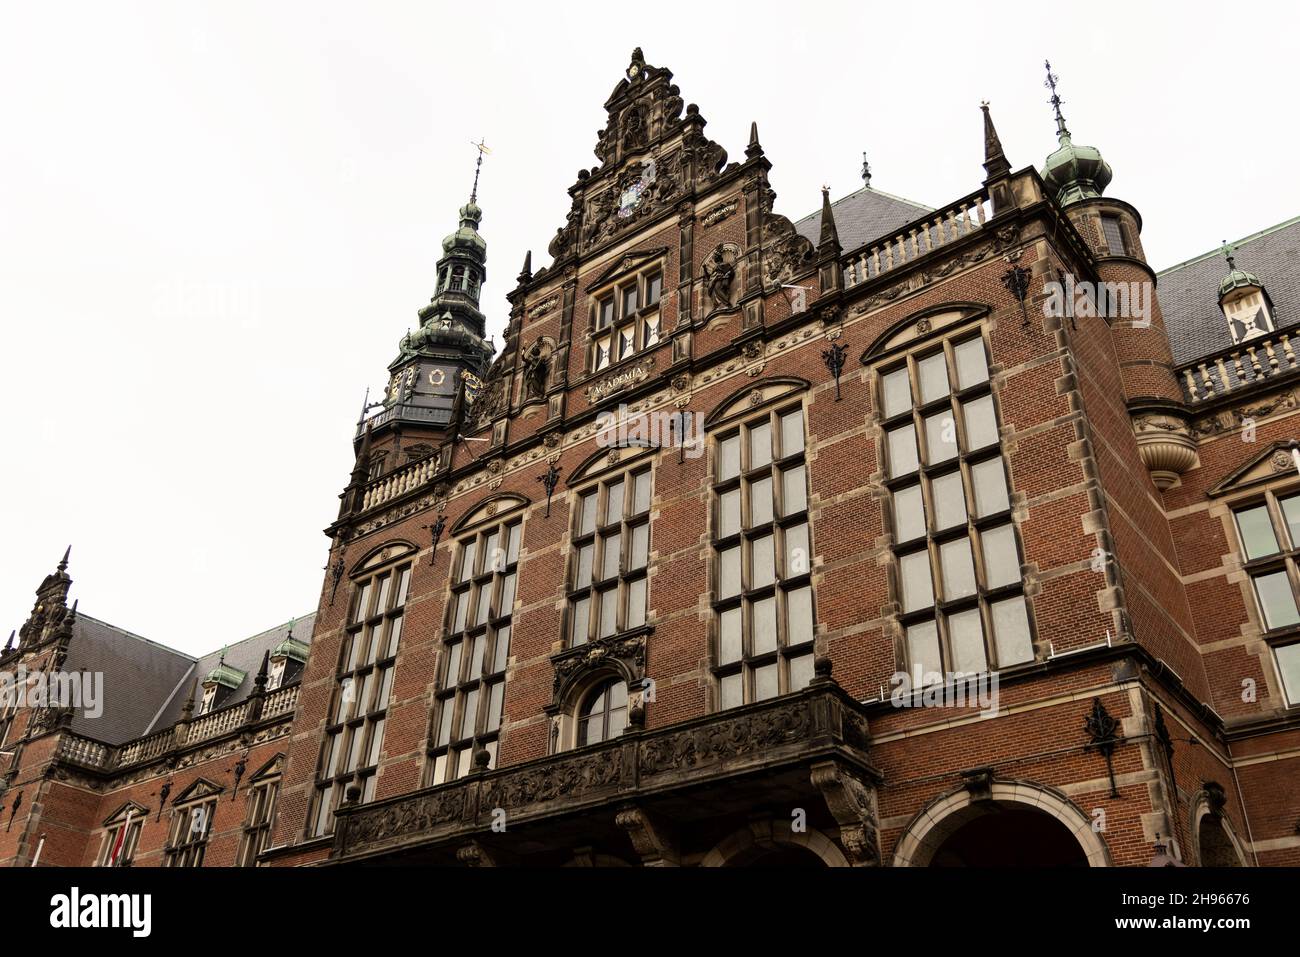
{"x": 611, "y": 550}
{"x": 762, "y": 595}
{"x": 1269, "y": 529}
{"x": 472, "y": 682}
{"x": 354, "y": 734}
{"x": 260, "y": 802}
{"x": 191, "y": 828}
{"x": 958, "y": 582}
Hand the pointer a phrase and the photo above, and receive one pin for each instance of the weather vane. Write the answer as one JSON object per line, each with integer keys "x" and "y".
{"x": 1055, "y": 99}
{"x": 483, "y": 150}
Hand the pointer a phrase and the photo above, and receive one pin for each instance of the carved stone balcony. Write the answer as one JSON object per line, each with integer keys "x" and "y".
{"x": 664, "y": 795}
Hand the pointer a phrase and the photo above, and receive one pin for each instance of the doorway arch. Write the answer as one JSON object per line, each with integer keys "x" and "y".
{"x": 957, "y": 829}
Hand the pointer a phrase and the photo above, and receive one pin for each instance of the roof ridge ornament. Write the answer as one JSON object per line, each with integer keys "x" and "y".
{"x": 1055, "y": 100}
{"x": 866, "y": 172}
{"x": 483, "y": 150}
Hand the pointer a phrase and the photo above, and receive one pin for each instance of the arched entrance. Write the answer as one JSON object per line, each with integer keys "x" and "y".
{"x": 1010, "y": 837}
{"x": 784, "y": 856}
{"x": 774, "y": 844}
{"x": 1217, "y": 844}
{"x": 1011, "y": 824}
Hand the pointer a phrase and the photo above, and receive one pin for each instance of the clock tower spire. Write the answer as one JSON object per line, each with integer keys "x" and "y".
{"x": 426, "y": 375}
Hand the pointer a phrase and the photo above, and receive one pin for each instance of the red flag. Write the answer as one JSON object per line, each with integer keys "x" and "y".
{"x": 121, "y": 839}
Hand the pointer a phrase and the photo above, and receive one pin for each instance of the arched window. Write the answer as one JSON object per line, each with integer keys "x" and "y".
{"x": 603, "y": 715}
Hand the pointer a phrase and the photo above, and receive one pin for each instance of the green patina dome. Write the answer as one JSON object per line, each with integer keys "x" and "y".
{"x": 1074, "y": 172}
{"x": 1236, "y": 278}
{"x": 467, "y": 237}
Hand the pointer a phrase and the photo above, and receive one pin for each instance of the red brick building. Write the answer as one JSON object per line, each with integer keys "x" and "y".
{"x": 638, "y": 589}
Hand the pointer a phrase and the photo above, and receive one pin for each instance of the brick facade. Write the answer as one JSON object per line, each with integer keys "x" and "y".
{"x": 1135, "y": 595}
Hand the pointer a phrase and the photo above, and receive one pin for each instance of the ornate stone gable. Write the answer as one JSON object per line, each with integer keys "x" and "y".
{"x": 651, "y": 156}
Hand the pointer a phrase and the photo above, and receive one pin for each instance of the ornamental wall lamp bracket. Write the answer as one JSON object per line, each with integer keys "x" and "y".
{"x": 163, "y": 794}
{"x": 1102, "y": 728}
{"x": 240, "y": 767}
{"x": 1016, "y": 279}
{"x": 549, "y": 480}
{"x": 13, "y": 811}
{"x": 834, "y": 359}
{"x": 435, "y": 533}
{"x": 1167, "y": 745}
{"x": 336, "y": 575}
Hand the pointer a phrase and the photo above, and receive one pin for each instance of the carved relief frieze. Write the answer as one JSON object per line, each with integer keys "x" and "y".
{"x": 715, "y": 742}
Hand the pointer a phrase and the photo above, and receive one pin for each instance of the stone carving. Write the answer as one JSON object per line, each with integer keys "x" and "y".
{"x": 718, "y": 213}
{"x": 569, "y": 778}
{"x": 1227, "y": 420}
{"x": 785, "y": 252}
{"x": 637, "y": 372}
{"x": 626, "y": 655}
{"x": 706, "y": 156}
{"x": 374, "y": 825}
{"x": 543, "y": 307}
{"x": 852, "y": 802}
{"x": 695, "y": 747}
{"x": 720, "y": 274}
{"x": 537, "y": 365}
{"x": 565, "y": 242}
{"x": 650, "y": 838}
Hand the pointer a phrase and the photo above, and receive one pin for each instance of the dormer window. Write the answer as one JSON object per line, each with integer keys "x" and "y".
{"x": 275, "y": 674}
{"x": 626, "y": 319}
{"x": 1248, "y": 313}
{"x": 209, "y": 698}
{"x": 1244, "y": 301}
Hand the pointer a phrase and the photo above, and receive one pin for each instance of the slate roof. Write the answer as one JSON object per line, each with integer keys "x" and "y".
{"x": 1189, "y": 292}
{"x": 862, "y": 217}
{"x": 145, "y": 683}
{"x": 246, "y": 656}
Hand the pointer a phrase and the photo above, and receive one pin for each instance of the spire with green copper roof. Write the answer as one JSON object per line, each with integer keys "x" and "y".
{"x": 1073, "y": 172}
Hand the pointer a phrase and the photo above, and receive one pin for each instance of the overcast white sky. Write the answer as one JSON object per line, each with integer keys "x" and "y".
{"x": 218, "y": 219}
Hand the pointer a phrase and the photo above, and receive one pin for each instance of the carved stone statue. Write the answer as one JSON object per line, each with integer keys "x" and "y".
{"x": 719, "y": 274}
{"x": 537, "y": 363}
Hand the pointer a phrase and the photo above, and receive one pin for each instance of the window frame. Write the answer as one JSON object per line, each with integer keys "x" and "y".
{"x": 129, "y": 845}
{"x": 183, "y": 849}
{"x": 367, "y": 656}
{"x": 776, "y": 524}
{"x": 261, "y": 802}
{"x": 974, "y": 528}
{"x": 450, "y": 755}
{"x": 583, "y": 717}
{"x": 612, "y": 320}
{"x": 1285, "y": 559}
{"x": 598, "y": 585}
